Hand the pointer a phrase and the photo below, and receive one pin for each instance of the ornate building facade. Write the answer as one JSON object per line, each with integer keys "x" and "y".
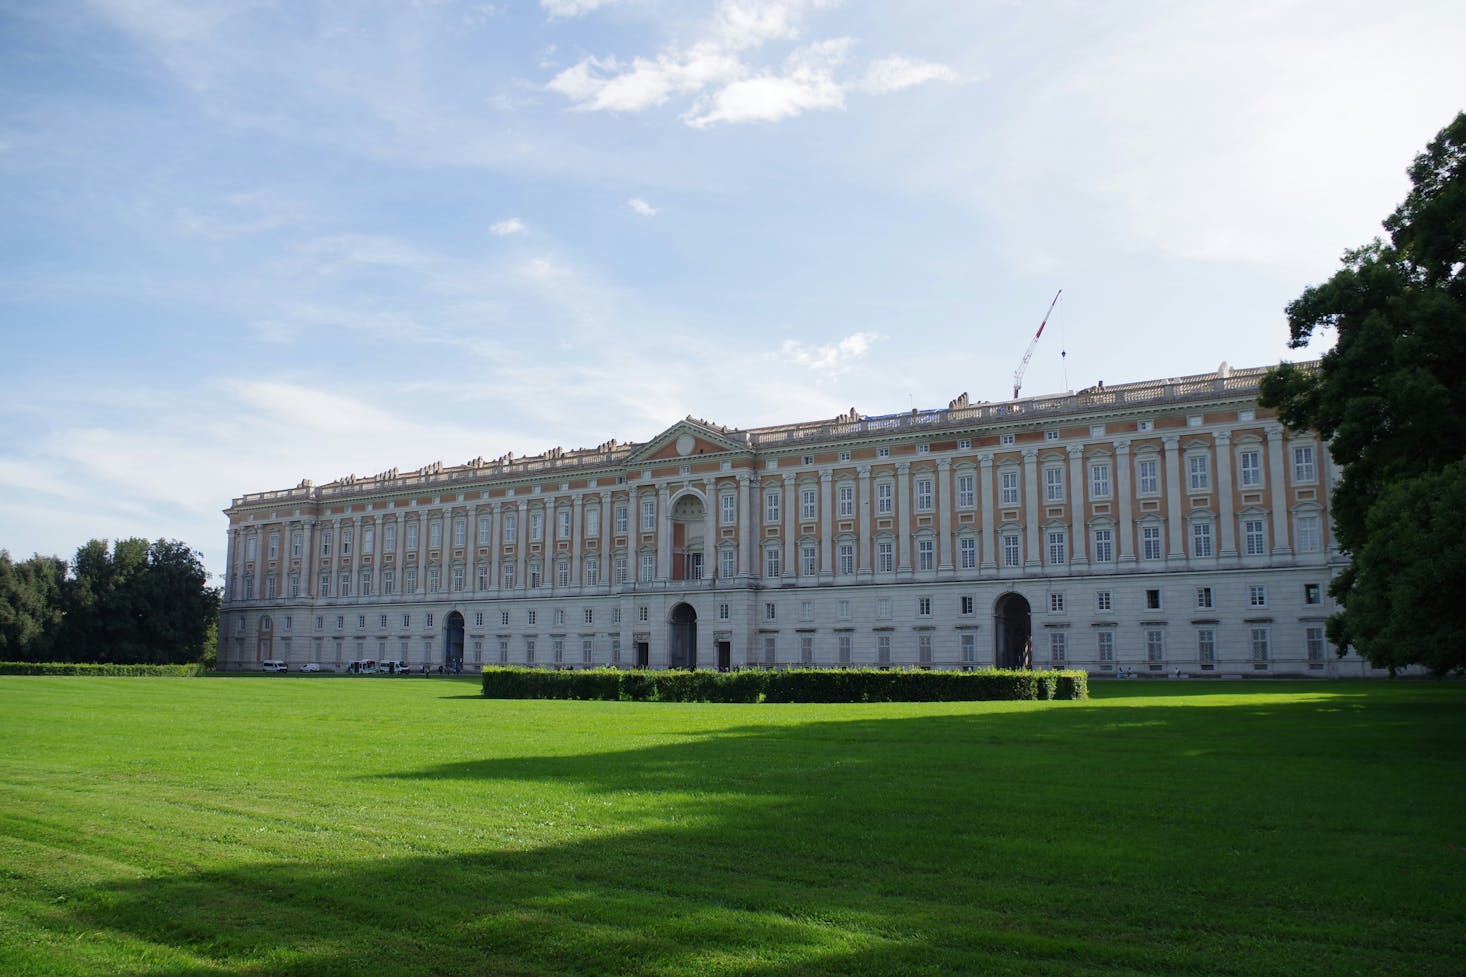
{"x": 1156, "y": 528}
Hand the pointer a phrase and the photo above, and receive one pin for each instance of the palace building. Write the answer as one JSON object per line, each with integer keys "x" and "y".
{"x": 1164, "y": 527}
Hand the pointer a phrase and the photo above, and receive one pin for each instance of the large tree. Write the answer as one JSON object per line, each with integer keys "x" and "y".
{"x": 1390, "y": 399}
{"x": 30, "y": 606}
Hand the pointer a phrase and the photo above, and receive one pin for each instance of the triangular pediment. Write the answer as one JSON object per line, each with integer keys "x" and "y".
{"x": 687, "y": 439}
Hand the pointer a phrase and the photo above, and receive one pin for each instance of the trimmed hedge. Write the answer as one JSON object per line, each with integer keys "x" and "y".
{"x": 792, "y": 685}
{"x": 93, "y": 668}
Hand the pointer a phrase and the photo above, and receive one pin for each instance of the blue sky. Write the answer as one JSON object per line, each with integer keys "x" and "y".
{"x": 246, "y": 242}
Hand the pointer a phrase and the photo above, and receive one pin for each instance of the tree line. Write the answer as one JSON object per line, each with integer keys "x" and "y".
{"x": 132, "y": 602}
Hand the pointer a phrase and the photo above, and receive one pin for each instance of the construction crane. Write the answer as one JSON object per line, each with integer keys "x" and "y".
{"x": 1018, "y": 373}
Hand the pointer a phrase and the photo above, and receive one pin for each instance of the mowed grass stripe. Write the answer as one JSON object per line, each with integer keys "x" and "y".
{"x": 264, "y": 825}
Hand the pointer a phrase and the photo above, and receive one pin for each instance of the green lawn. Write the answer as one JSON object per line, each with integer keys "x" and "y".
{"x": 291, "y": 826}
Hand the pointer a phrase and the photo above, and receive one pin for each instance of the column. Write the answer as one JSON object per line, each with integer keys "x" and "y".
{"x": 1278, "y": 483}
{"x": 1175, "y": 491}
{"x": 790, "y": 567}
{"x": 1031, "y": 510}
{"x": 1078, "y": 546}
{"x": 664, "y": 535}
{"x": 1125, "y": 531}
{"x": 231, "y": 553}
{"x": 710, "y": 530}
{"x": 747, "y": 527}
{"x": 577, "y": 539}
{"x": 862, "y": 521}
{"x": 986, "y": 501}
{"x": 1224, "y": 495}
{"x": 827, "y": 528}
{"x": 903, "y": 519}
{"x": 521, "y": 545}
{"x": 943, "y": 488}
{"x": 470, "y": 540}
{"x": 606, "y": 548}
{"x": 491, "y": 513}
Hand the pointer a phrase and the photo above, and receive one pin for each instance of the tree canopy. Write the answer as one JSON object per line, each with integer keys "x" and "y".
{"x": 1390, "y": 399}
{"x": 133, "y": 602}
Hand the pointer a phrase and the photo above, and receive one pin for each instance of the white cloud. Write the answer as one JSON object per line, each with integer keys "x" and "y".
{"x": 831, "y": 359}
{"x": 896, "y": 73}
{"x": 505, "y": 228}
{"x": 749, "y": 23}
{"x": 572, "y": 8}
{"x": 641, "y": 207}
{"x": 807, "y": 83}
{"x": 600, "y": 85}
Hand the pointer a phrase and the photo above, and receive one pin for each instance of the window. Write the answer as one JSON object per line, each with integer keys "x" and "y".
{"x": 460, "y": 531}
{"x": 1152, "y": 600}
{"x": 772, "y": 504}
{"x": 1198, "y": 472}
{"x": 412, "y": 535}
{"x": 508, "y": 576}
{"x": 648, "y": 515}
{"x": 923, "y": 449}
{"x": 885, "y": 556}
{"x": 389, "y": 581}
{"x": 435, "y": 534}
{"x": 924, "y": 648}
{"x": 926, "y": 554}
{"x": 1058, "y": 547}
{"x": 619, "y": 520}
{"x": 504, "y": 619}
{"x": 1099, "y": 480}
{"x": 924, "y": 495}
{"x": 1254, "y": 537}
{"x": 844, "y": 652}
{"x": 296, "y": 538}
{"x": 1308, "y": 534}
{"x": 964, "y": 444}
{"x": 807, "y": 506}
{"x": 884, "y": 498}
{"x": 966, "y": 491}
{"x": 1011, "y": 550}
{"x": 274, "y": 546}
{"x": 1051, "y": 435}
{"x": 1150, "y": 542}
{"x": 1104, "y": 600}
{"x": 1313, "y": 639}
{"x": 883, "y": 452}
{"x": 723, "y": 612}
{"x": 883, "y": 649}
{"x": 845, "y": 501}
{"x": 1203, "y": 598}
{"x": 270, "y": 585}
{"x": 1148, "y": 476}
{"x": 562, "y": 572}
{"x": 1058, "y": 646}
{"x": 389, "y": 537}
{"x": 1261, "y": 641}
{"x": 1104, "y": 645}
{"x": 1005, "y": 439}
{"x": 323, "y": 585}
{"x": 1008, "y": 487}
{"x": 562, "y": 523}
{"x": 727, "y": 562}
{"x": 844, "y": 456}
{"x": 536, "y": 526}
{"x": 1155, "y": 646}
{"x": 1257, "y": 595}
{"x": 808, "y": 560}
{"x": 771, "y": 611}
{"x": 368, "y": 538}
{"x": 771, "y": 561}
{"x": 344, "y": 583}
{"x": 1056, "y": 602}
{"x": 1206, "y": 648}
{"x": 1304, "y": 469}
{"x": 806, "y": 610}
{"x": 923, "y": 607}
{"x": 883, "y": 609}
{"x": 294, "y": 585}
{"x": 482, "y": 581}
{"x": 559, "y": 617}
{"x": 845, "y": 557}
{"x": 484, "y": 528}
{"x": 619, "y": 568}
{"x": 1249, "y": 468}
{"x": 842, "y": 609}
{"x": 967, "y": 604}
{"x": 1201, "y": 544}
{"x": 592, "y": 521}
{"x": 1054, "y": 484}
{"x": 1312, "y": 593}
{"x": 727, "y": 508}
{"x": 511, "y": 526}
{"x": 1104, "y": 546}
{"x": 806, "y": 649}
{"x": 434, "y": 578}
{"x": 648, "y": 567}
{"x": 967, "y": 553}
{"x": 364, "y": 583}
{"x": 325, "y": 543}
{"x": 533, "y": 617}
{"x": 771, "y": 650}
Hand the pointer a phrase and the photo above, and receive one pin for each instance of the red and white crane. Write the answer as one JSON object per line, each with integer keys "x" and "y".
{"x": 1018, "y": 373}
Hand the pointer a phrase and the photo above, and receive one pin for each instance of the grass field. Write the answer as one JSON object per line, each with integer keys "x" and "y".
{"x": 294, "y": 826}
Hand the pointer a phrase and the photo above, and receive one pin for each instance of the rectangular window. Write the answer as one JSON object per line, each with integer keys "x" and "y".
{"x": 1054, "y": 484}
{"x": 348, "y": 536}
{"x": 412, "y": 535}
{"x": 1099, "y": 480}
{"x": 885, "y": 557}
{"x": 771, "y": 561}
{"x": 923, "y": 606}
{"x": 723, "y": 612}
{"x": 1104, "y": 643}
{"x": 885, "y": 504}
{"x": 274, "y": 546}
{"x": 1315, "y": 645}
{"x": 435, "y": 534}
{"x": 1309, "y": 537}
{"x": 1104, "y": 546}
{"x": 1206, "y": 648}
{"x": 1304, "y": 469}
{"x": 1056, "y": 602}
{"x": 1261, "y": 641}
{"x": 1058, "y": 646}
{"x": 511, "y": 527}
{"x": 1008, "y": 487}
{"x": 364, "y": 583}
{"x": 966, "y": 604}
{"x": 966, "y": 491}
{"x": 1312, "y": 593}
{"x": 562, "y": 573}
{"x": 295, "y": 585}
{"x": 343, "y": 584}
{"x": 806, "y": 610}
{"x": 536, "y": 526}
{"x": 482, "y": 580}
{"x": 389, "y": 581}
{"x": 924, "y": 495}
{"x": 508, "y": 576}
{"x": 559, "y": 618}
{"x": 1148, "y": 476}
{"x": 325, "y": 542}
{"x": 926, "y": 554}
{"x": 648, "y": 567}
{"x": 433, "y": 580}
{"x": 1249, "y": 468}
{"x": 1104, "y": 600}
{"x": 562, "y": 523}
{"x": 296, "y": 539}
{"x": 1254, "y": 537}
{"x": 1257, "y": 595}
{"x": 727, "y": 508}
{"x": 619, "y": 568}
{"x": 806, "y": 649}
{"x": 619, "y": 518}
{"x": 1058, "y": 547}
{"x": 504, "y": 619}
{"x": 592, "y": 571}
{"x": 807, "y": 506}
{"x": 1155, "y": 646}
{"x": 883, "y": 649}
{"x": 1011, "y": 552}
{"x": 648, "y": 515}
{"x": 845, "y": 501}
{"x": 484, "y": 528}
{"x": 772, "y": 503}
{"x": 967, "y": 553}
{"x": 844, "y": 649}
{"x": 842, "y": 610}
{"x": 883, "y": 608}
{"x": 592, "y": 522}
{"x": 846, "y": 556}
{"x": 924, "y": 648}
{"x": 460, "y": 532}
{"x": 1203, "y": 598}
{"x": 771, "y": 650}
{"x": 1152, "y": 600}
{"x": 771, "y": 611}
{"x": 1198, "y": 470}
{"x": 1201, "y": 539}
{"x": 1150, "y": 542}
{"x": 727, "y": 562}
{"x": 368, "y": 538}
{"x": 808, "y": 560}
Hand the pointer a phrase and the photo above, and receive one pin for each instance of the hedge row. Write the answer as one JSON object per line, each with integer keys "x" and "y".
{"x": 794, "y": 685}
{"x": 90, "y": 668}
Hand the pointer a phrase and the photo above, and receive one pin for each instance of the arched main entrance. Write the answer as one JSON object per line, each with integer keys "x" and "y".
{"x": 683, "y": 644}
{"x": 453, "y": 642}
{"x": 1012, "y": 632}
{"x": 689, "y": 517}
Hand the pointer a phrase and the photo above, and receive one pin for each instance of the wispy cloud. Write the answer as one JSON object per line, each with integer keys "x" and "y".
{"x": 573, "y": 8}
{"x": 641, "y": 207}
{"x": 505, "y": 228}
{"x": 897, "y": 73}
{"x": 832, "y": 359}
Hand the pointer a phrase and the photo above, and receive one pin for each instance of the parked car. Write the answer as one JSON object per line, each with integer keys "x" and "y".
{"x": 275, "y": 665}
{"x": 393, "y": 667}
{"x": 366, "y": 667}
{"x": 311, "y": 667}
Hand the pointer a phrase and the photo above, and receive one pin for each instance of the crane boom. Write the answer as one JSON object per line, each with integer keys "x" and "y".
{"x": 1018, "y": 373}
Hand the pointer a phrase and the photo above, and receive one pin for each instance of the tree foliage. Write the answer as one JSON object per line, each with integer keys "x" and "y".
{"x": 1390, "y": 399}
{"x": 133, "y": 603}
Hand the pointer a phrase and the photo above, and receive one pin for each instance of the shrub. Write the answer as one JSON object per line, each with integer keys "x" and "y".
{"x": 89, "y": 668}
{"x": 793, "y": 685}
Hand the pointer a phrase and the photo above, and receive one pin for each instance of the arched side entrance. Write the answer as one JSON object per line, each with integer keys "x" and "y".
{"x": 453, "y": 642}
{"x": 682, "y": 647}
{"x": 1012, "y": 632}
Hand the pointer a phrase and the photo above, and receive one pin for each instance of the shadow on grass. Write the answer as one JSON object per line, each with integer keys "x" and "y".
{"x": 1074, "y": 839}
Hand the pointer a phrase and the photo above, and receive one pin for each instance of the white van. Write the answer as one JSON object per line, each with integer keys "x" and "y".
{"x": 276, "y": 665}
